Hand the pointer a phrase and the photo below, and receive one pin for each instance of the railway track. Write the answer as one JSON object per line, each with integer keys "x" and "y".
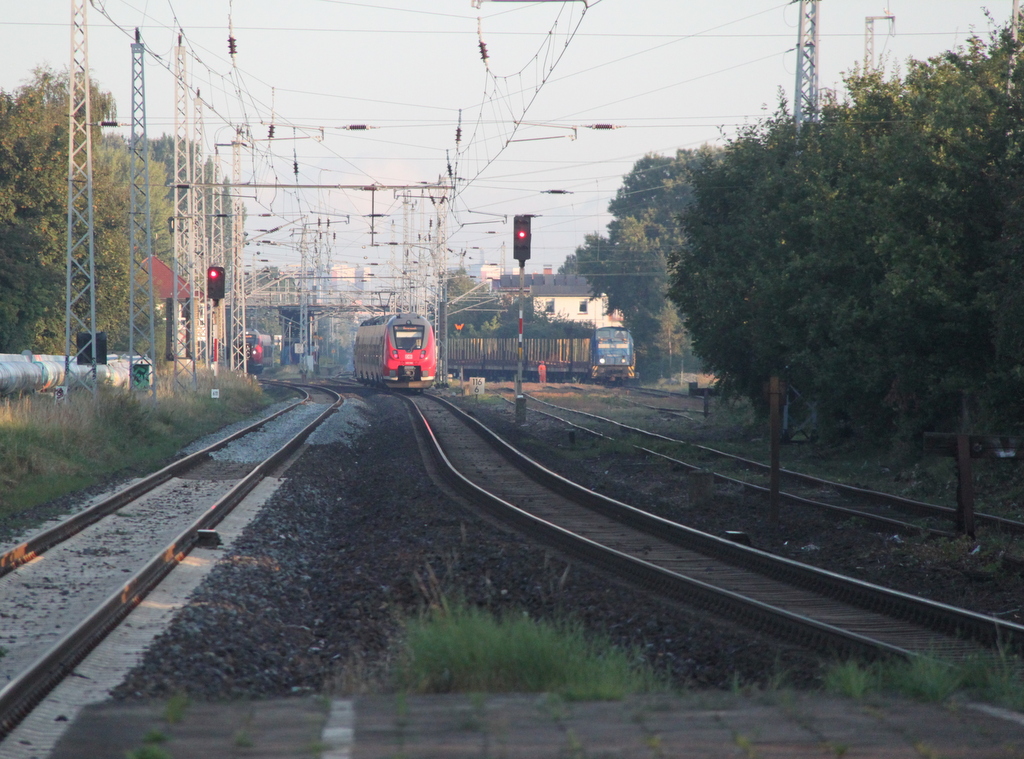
{"x": 810, "y": 606}
{"x": 869, "y": 499}
{"x": 66, "y": 588}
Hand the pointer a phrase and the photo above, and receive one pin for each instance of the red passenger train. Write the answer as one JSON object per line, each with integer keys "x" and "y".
{"x": 396, "y": 351}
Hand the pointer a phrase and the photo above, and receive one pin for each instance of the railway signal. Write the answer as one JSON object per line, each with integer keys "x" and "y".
{"x": 521, "y": 238}
{"x": 215, "y": 283}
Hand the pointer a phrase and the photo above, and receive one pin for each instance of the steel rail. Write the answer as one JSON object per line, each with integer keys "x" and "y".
{"x": 907, "y": 528}
{"x": 941, "y": 618}
{"x": 919, "y": 508}
{"x": 28, "y": 689}
{"x": 46, "y": 539}
{"x": 743, "y": 609}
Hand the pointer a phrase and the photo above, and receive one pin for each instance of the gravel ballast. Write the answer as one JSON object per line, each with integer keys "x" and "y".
{"x": 358, "y": 538}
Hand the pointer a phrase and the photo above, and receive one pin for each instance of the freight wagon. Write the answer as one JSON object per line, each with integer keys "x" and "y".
{"x": 565, "y": 359}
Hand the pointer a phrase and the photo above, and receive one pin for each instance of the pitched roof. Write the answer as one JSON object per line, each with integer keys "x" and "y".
{"x": 162, "y": 279}
{"x": 552, "y": 285}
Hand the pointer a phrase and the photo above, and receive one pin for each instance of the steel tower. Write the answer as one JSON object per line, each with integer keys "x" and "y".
{"x": 805, "y": 101}
{"x": 80, "y": 301}
{"x": 141, "y": 305}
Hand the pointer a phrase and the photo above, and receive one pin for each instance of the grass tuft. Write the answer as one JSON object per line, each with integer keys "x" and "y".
{"x": 456, "y": 648}
{"x": 148, "y": 752}
{"x": 993, "y": 678}
{"x": 851, "y": 679}
{"x": 48, "y": 449}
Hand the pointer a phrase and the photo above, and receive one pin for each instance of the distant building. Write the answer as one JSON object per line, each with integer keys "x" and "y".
{"x": 565, "y": 296}
{"x": 490, "y": 271}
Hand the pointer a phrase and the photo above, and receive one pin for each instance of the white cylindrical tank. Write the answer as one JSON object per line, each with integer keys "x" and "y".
{"x": 27, "y": 372}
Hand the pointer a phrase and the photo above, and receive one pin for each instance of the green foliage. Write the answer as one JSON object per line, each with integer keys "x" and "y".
{"x": 174, "y": 710}
{"x": 873, "y": 260}
{"x": 629, "y": 263}
{"x": 993, "y": 678}
{"x": 851, "y": 679}
{"x": 505, "y": 323}
{"x": 33, "y": 217}
{"x": 464, "y": 649}
{"x": 148, "y": 752}
{"x": 33, "y": 212}
{"x": 47, "y": 449}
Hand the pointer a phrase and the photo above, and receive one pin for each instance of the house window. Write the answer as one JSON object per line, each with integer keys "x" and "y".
{"x": 583, "y": 306}
{"x": 549, "y": 307}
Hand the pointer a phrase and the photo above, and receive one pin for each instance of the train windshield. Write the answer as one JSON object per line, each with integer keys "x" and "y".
{"x": 617, "y": 340}
{"x": 408, "y": 337}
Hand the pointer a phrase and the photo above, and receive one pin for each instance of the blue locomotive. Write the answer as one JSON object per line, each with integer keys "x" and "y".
{"x": 611, "y": 355}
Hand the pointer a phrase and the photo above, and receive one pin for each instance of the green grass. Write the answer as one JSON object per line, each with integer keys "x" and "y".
{"x": 174, "y": 710}
{"x": 463, "y": 649}
{"x": 148, "y": 752}
{"x": 49, "y": 449}
{"x": 993, "y": 678}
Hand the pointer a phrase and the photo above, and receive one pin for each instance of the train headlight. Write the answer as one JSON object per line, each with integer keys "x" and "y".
{"x": 394, "y": 354}
{"x": 600, "y": 361}
{"x": 423, "y": 354}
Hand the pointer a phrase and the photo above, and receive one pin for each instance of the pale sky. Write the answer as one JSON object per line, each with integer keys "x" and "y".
{"x": 667, "y": 74}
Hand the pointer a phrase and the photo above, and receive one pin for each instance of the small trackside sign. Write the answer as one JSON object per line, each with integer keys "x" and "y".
{"x": 476, "y": 386}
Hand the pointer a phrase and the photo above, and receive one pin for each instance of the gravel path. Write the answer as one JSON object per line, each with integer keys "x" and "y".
{"x": 312, "y": 596}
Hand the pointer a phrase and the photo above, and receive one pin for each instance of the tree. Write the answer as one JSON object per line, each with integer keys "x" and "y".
{"x": 629, "y": 263}
{"x": 868, "y": 259}
{"x": 33, "y": 210}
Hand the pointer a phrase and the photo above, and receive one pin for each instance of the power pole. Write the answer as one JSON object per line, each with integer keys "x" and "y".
{"x": 441, "y": 295}
{"x": 80, "y": 301}
{"x": 200, "y": 249}
{"x": 805, "y": 101}
{"x": 1014, "y": 35}
{"x": 141, "y": 302}
{"x": 869, "y": 37}
{"x": 182, "y": 317}
{"x": 236, "y": 335}
{"x": 217, "y": 258}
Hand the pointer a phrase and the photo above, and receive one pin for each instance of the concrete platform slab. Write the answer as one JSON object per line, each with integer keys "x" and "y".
{"x": 695, "y": 725}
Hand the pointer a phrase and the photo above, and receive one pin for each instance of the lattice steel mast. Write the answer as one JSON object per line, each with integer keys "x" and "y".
{"x": 441, "y": 294}
{"x": 80, "y": 300}
{"x": 805, "y": 101}
{"x": 869, "y": 37}
{"x": 182, "y": 329}
{"x": 236, "y": 334}
{"x": 217, "y": 258}
{"x": 141, "y": 303}
{"x": 200, "y": 247}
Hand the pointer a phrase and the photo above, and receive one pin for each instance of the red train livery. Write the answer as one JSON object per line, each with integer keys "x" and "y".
{"x": 396, "y": 351}
{"x": 259, "y": 352}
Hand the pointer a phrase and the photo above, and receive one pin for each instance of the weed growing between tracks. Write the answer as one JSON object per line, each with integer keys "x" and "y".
{"x": 993, "y": 679}
{"x": 458, "y": 648}
{"x": 49, "y": 449}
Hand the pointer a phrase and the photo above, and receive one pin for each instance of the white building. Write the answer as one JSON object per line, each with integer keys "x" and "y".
{"x": 565, "y": 296}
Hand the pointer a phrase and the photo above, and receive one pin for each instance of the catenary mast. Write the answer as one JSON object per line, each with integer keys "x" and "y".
{"x": 80, "y": 301}
{"x": 805, "y": 100}
{"x": 141, "y": 300}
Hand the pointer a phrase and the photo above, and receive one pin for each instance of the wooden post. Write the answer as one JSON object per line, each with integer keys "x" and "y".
{"x": 774, "y": 393}
{"x": 964, "y": 486}
{"x": 963, "y": 448}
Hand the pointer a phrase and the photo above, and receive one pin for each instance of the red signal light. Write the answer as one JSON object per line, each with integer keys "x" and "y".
{"x": 215, "y": 283}
{"x": 521, "y": 238}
